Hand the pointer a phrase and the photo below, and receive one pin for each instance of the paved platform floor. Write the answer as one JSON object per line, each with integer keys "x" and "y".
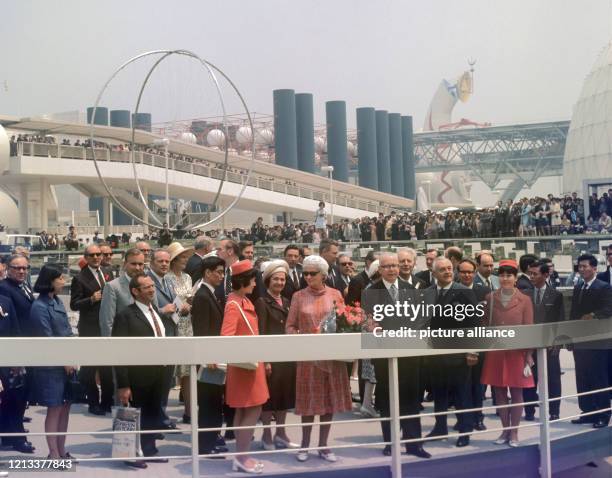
{"x": 88, "y": 446}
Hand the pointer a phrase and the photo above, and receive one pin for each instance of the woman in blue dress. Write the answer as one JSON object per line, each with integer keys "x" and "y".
{"x": 321, "y": 220}
{"x": 48, "y": 318}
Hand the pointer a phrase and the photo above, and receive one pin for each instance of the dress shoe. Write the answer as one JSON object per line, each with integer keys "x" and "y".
{"x": 553, "y": 417}
{"x": 215, "y": 454}
{"x": 140, "y": 464}
{"x": 281, "y": 443}
{"x": 95, "y": 410}
{"x": 456, "y": 427}
{"x": 168, "y": 425}
{"x": 434, "y": 434}
{"x": 417, "y": 450}
{"x": 229, "y": 435}
{"x": 463, "y": 441}
{"x": 429, "y": 397}
{"x": 480, "y": 426}
{"x": 369, "y": 411}
{"x": 601, "y": 423}
{"x": 387, "y": 450}
{"x": 186, "y": 419}
{"x": 220, "y": 441}
{"x": 159, "y": 436}
{"x": 582, "y": 420}
{"x": 256, "y": 470}
{"x": 27, "y": 419}
{"x": 514, "y": 443}
{"x": 529, "y": 417}
{"x": 24, "y": 447}
{"x": 156, "y": 460}
{"x": 328, "y": 455}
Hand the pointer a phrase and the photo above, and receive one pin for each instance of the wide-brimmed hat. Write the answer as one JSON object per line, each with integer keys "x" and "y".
{"x": 176, "y": 249}
{"x": 275, "y": 266}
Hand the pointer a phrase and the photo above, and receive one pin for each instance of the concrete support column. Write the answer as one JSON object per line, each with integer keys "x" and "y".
{"x": 44, "y": 207}
{"x": 24, "y": 216}
{"x": 395, "y": 152}
{"x": 382, "y": 144}
{"x": 106, "y": 214}
{"x": 305, "y": 132}
{"x": 408, "y": 158}
{"x": 366, "y": 141}
{"x": 285, "y": 128}
{"x": 335, "y": 112}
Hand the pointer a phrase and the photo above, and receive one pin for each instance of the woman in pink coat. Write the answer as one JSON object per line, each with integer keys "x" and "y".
{"x": 504, "y": 369}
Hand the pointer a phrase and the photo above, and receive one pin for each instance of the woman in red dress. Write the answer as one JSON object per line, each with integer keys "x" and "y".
{"x": 245, "y": 390}
{"x": 504, "y": 369}
{"x": 322, "y": 387}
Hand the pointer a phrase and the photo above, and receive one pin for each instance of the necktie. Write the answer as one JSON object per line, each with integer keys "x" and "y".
{"x": 165, "y": 286}
{"x": 296, "y": 281}
{"x": 393, "y": 292}
{"x": 158, "y": 332}
{"x": 584, "y": 287}
{"x": 539, "y": 298}
{"x": 100, "y": 279}
{"x": 489, "y": 284}
{"x": 228, "y": 282}
{"x": 26, "y": 290}
{"x": 441, "y": 293}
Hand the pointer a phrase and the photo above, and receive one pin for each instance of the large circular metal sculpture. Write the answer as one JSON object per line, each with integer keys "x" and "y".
{"x": 212, "y": 71}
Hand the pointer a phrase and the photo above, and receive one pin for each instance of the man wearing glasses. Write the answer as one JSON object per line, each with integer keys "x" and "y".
{"x": 14, "y": 400}
{"x": 107, "y": 260}
{"x": 145, "y": 248}
{"x": 346, "y": 269}
{"x": 85, "y": 297}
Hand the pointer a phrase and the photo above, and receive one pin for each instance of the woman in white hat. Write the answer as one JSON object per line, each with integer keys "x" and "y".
{"x": 181, "y": 282}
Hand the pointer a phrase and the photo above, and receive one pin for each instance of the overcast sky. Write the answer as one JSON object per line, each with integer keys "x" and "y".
{"x": 532, "y": 55}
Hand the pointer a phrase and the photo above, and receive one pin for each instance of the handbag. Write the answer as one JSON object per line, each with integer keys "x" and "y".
{"x": 74, "y": 390}
{"x": 245, "y": 365}
{"x": 126, "y": 445}
{"x": 214, "y": 376}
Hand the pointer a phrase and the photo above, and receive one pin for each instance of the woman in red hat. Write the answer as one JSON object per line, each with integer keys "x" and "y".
{"x": 506, "y": 369}
{"x": 245, "y": 390}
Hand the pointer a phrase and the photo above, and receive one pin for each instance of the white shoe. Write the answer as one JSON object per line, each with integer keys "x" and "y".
{"x": 501, "y": 441}
{"x": 328, "y": 456}
{"x": 267, "y": 446}
{"x": 369, "y": 411}
{"x": 256, "y": 470}
{"x": 302, "y": 456}
{"x": 514, "y": 443}
{"x": 281, "y": 443}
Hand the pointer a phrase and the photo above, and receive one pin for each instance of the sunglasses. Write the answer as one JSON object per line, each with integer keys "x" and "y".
{"x": 94, "y": 254}
{"x": 344, "y": 264}
{"x": 107, "y": 254}
{"x": 310, "y": 273}
{"x": 20, "y": 268}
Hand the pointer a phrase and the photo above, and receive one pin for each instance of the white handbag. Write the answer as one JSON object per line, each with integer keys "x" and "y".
{"x": 244, "y": 365}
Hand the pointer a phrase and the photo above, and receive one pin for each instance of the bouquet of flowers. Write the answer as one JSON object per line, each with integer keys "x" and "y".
{"x": 345, "y": 319}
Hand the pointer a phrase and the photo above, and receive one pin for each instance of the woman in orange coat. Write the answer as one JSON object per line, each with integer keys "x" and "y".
{"x": 505, "y": 369}
{"x": 245, "y": 390}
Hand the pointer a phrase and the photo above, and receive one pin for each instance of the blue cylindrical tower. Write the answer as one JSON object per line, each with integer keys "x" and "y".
{"x": 101, "y": 115}
{"x": 366, "y": 144}
{"x": 383, "y": 154}
{"x": 335, "y": 113}
{"x": 120, "y": 118}
{"x": 395, "y": 153}
{"x": 305, "y": 132}
{"x": 142, "y": 121}
{"x": 285, "y": 128}
{"x": 408, "y": 158}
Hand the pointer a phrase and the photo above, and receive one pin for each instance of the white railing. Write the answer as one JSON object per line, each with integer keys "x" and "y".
{"x": 193, "y": 167}
{"x": 193, "y": 351}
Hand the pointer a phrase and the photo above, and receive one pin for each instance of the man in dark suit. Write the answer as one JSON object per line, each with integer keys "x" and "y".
{"x": 407, "y": 259}
{"x": 229, "y": 252}
{"x": 328, "y": 250}
{"x": 591, "y": 300}
{"x": 427, "y": 275}
{"x": 389, "y": 290}
{"x": 451, "y": 374}
{"x": 17, "y": 289}
{"x": 606, "y": 276}
{"x": 202, "y": 246}
{"x": 293, "y": 283}
{"x": 547, "y": 308}
{"x": 466, "y": 270}
{"x": 145, "y": 385}
{"x": 523, "y": 282}
{"x": 85, "y": 297}
{"x": 207, "y": 318}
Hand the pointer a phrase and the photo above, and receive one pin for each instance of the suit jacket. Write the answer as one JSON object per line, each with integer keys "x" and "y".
{"x": 523, "y": 282}
{"x": 358, "y": 283}
{"x": 48, "y": 318}
{"x": 194, "y": 268}
{"x": 131, "y": 322}
{"x": 597, "y": 300}
{"x": 551, "y": 307}
{"x": 383, "y": 297}
{"x": 271, "y": 315}
{"x": 206, "y": 314}
{"x": 480, "y": 291}
{"x": 458, "y": 294}
{"x": 425, "y": 276}
{"x": 162, "y": 297}
{"x": 108, "y": 271}
{"x": 334, "y": 279}
{"x": 82, "y": 288}
{"x": 494, "y": 281}
{"x": 21, "y": 302}
{"x": 290, "y": 287}
{"x": 116, "y": 297}
{"x": 416, "y": 282}
{"x": 9, "y": 327}
{"x": 605, "y": 276}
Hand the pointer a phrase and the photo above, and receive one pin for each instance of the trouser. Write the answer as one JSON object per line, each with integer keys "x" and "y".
{"x": 477, "y": 389}
{"x": 149, "y": 399}
{"x": 451, "y": 375}
{"x": 12, "y": 407}
{"x": 94, "y": 398}
{"x": 592, "y": 374}
{"x": 210, "y": 414}
{"x": 167, "y": 385}
{"x": 554, "y": 384}
{"x": 409, "y": 396}
{"x": 360, "y": 381}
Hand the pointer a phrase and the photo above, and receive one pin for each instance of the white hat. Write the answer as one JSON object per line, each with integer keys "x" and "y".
{"x": 272, "y": 267}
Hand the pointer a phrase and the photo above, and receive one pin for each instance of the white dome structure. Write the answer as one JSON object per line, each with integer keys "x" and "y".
{"x": 215, "y": 138}
{"x": 188, "y": 137}
{"x": 264, "y": 136}
{"x": 9, "y": 212}
{"x": 320, "y": 144}
{"x": 5, "y": 150}
{"x": 588, "y": 150}
{"x": 350, "y": 148}
{"x": 244, "y": 135}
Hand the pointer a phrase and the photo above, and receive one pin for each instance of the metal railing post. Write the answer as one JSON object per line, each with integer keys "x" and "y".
{"x": 545, "y": 456}
{"x": 396, "y": 452}
{"x": 193, "y": 411}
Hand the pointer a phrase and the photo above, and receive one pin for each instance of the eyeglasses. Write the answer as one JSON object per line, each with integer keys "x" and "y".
{"x": 389, "y": 266}
{"x": 145, "y": 251}
{"x": 310, "y": 273}
{"x": 94, "y": 254}
{"x": 466, "y": 272}
{"x": 344, "y": 264}
{"x": 20, "y": 268}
